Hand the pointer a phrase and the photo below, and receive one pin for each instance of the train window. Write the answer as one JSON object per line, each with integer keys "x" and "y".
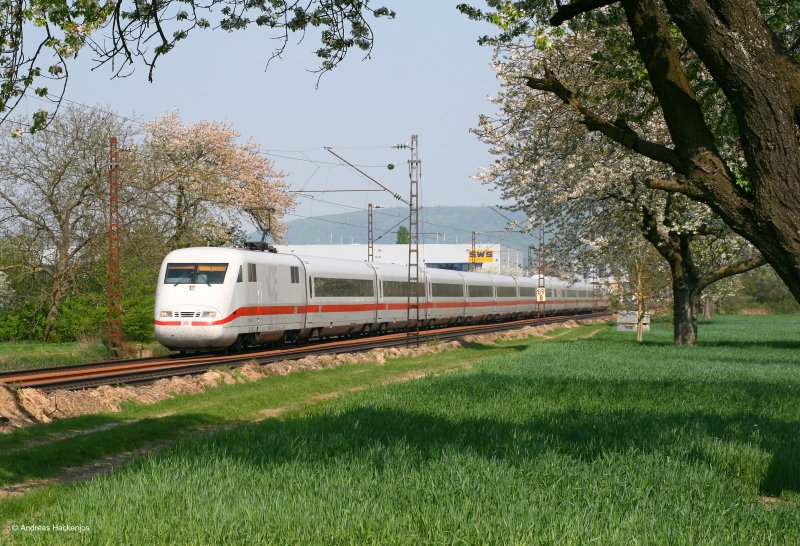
{"x": 506, "y": 291}
{"x": 310, "y": 288}
{"x": 251, "y": 273}
{"x": 527, "y": 291}
{"x": 195, "y": 273}
{"x": 548, "y": 293}
{"x": 239, "y": 276}
{"x": 479, "y": 291}
{"x": 343, "y": 288}
{"x": 400, "y": 289}
{"x": 447, "y": 290}
{"x": 571, "y": 294}
{"x": 295, "y": 274}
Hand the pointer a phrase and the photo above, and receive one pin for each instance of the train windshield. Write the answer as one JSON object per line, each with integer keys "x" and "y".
{"x": 195, "y": 273}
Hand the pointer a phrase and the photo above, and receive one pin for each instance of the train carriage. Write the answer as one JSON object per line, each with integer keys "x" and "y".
{"x": 393, "y": 292}
{"x": 343, "y": 297}
{"x": 480, "y": 298}
{"x": 212, "y": 298}
{"x": 507, "y": 302}
{"x": 446, "y": 297}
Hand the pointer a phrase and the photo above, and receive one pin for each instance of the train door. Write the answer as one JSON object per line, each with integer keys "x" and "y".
{"x": 253, "y": 291}
{"x": 268, "y": 297}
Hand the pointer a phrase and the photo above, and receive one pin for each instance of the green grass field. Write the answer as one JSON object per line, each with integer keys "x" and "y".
{"x": 568, "y": 441}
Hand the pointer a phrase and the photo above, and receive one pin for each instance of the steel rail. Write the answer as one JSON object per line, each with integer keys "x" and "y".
{"x": 150, "y": 369}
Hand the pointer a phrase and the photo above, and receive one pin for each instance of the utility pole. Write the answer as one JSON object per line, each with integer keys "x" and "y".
{"x": 114, "y": 254}
{"x": 413, "y": 290}
{"x": 472, "y": 254}
{"x": 370, "y": 240}
{"x": 413, "y": 242}
{"x": 541, "y": 288}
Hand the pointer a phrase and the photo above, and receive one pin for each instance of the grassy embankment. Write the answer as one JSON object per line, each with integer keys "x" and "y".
{"x": 588, "y": 441}
{"x": 25, "y": 355}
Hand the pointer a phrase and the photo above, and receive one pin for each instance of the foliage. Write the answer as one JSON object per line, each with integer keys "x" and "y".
{"x": 402, "y": 236}
{"x": 39, "y": 38}
{"x": 52, "y": 190}
{"x": 640, "y": 277}
{"x": 760, "y": 289}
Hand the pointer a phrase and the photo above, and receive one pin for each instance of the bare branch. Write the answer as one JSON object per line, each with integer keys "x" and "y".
{"x": 618, "y": 132}
{"x": 578, "y": 7}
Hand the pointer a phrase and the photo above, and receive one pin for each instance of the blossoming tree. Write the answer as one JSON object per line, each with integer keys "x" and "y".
{"x": 721, "y": 74}
{"x": 591, "y": 189}
{"x": 200, "y": 181}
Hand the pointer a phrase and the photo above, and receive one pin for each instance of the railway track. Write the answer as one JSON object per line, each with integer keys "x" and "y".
{"x": 150, "y": 369}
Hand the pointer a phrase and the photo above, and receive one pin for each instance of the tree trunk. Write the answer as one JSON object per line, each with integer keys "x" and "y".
{"x": 706, "y": 302}
{"x": 53, "y": 301}
{"x": 639, "y": 319}
{"x": 639, "y": 304}
{"x": 685, "y": 305}
{"x": 180, "y": 219}
{"x": 763, "y": 87}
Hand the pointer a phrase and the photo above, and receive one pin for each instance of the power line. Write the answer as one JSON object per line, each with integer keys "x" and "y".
{"x": 317, "y": 199}
{"x": 323, "y": 220}
{"x": 362, "y": 173}
{"x": 267, "y": 153}
{"x": 513, "y": 222}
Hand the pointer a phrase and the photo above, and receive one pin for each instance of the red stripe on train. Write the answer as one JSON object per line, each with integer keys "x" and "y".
{"x": 263, "y": 310}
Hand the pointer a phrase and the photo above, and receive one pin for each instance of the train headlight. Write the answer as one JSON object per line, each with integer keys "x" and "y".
{"x": 209, "y": 314}
{"x": 165, "y": 314}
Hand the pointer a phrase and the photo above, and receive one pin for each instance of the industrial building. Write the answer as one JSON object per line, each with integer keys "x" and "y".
{"x": 441, "y": 256}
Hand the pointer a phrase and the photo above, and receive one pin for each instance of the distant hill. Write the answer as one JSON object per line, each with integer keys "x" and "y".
{"x": 452, "y": 224}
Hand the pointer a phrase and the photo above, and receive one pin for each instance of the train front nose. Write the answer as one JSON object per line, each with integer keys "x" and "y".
{"x": 192, "y": 327}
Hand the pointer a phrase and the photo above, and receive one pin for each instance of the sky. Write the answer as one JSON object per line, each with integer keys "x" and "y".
{"x": 427, "y": 76}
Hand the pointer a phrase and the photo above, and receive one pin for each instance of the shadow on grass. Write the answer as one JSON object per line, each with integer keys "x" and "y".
{"x": 768, "y": 351}
{"x": 713, "y": 437}
{"x": 52, "y": 458}
{"x": 18, "y": 438}
{"x": 474, "y": 346}
{"x": 767, "y": 344}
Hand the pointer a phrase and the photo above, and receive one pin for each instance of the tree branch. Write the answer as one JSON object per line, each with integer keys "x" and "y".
{"x": 731, "y": 270}
{"x": 666, "y": 72}
{"x": 578, "y": 7}
{"x": 666, "y": 185}
{"x": 649, "y": 229}
{"x": 618, "y": 132}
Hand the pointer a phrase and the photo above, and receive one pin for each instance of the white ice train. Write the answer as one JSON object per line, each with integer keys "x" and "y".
{"x": 211, "y": 298}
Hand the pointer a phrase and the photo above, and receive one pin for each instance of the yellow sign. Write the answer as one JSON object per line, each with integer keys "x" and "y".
{"x": 481, "y": 256}
{"x": 541, "y": 295}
